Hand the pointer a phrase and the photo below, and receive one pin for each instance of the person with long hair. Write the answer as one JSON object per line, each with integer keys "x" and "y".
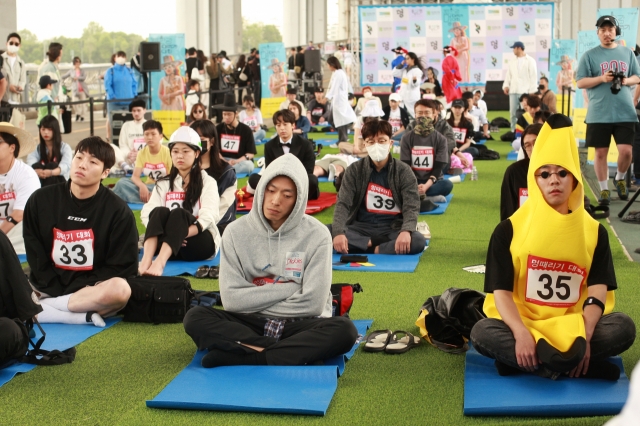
{"x": 411, "y": 79}
{"x": 171, "y": 89}
{"x": 198, "y": 112}
{"x": 252, "y": 117}
{"x": 79, "y": 89}
{"x": 183, "y": 210}
{"x": 241, "y": 67}
{"x": 302, "y": 122}
{"x": 462, "y": 45}
{"x": 338, "y": 94}
{"x": 462, "y": 128}
{"x": 432, "y": 77}
{"x": 52, "y": 158}
{"x": 277, "y": 80}
{"x": 219, "y": 169}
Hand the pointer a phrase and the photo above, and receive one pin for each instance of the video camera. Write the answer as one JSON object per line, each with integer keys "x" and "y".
{"x": 616, "y": 84}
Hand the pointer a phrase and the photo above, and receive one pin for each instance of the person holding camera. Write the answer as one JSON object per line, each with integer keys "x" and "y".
{"x": 606, "y": 72}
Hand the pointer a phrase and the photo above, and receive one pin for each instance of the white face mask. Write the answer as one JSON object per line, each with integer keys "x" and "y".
{"x": 120, "y": 60}
{"x": 13, "y": 49}
{"x": 368, "y": 94}
{"x": 378, "y": 151}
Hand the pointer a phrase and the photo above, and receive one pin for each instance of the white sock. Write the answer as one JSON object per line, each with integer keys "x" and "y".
{"x": 50, "y": 314}
{"x": 604, "y": 185}
{"x": 620, "y": 175}
{"x": 60, "y": 303}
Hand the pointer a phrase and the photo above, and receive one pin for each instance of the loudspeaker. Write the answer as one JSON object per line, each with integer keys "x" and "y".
{"x": 312, "y": 62}
{"x": 149, "y": 56}
{"x": 495, "y": 98}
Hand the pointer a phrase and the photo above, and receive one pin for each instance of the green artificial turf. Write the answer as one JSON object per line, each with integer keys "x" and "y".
{"x": 117, "y": 370}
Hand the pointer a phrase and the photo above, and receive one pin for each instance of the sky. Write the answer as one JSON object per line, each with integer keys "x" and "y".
{"x": 69, "y": 17}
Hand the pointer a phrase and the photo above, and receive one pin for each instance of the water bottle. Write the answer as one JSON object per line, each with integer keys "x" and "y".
{"x": 474, "y": 173}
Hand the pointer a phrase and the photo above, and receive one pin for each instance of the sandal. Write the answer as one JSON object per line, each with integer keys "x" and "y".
{"x": 202, "y": 272}
{"x": 402, "y": 345}
{"x": 214, "y": 272}
{"x": 377, "y": 341}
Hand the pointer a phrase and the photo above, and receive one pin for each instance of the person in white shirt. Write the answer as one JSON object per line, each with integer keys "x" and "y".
{"x": 14, "y": 69}
{"x": 252, "y": 117}
{"x": 476, "y": 112}
{"x": 17, "y": 181}
{"x": 131, "y": 139}
{"x": 338, "y": 94}
{"x": 367, "y": 96}
{"x": 292, "y": 95}
{"x": 477, "y": 101}
{"x": 521, "y": 78}
{"x": 411, "y": 80}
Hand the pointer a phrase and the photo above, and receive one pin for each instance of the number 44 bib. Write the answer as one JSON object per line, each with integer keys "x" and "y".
{"x": 422, "y": 158}
{"x": 553, "y": 282}
{"x": 73, "y": 250}
{"x": 380, "y": 200}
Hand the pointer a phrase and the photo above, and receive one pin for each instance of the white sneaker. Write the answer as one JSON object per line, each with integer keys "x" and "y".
{"x": 334, "y": 146}
{"x": 423, "y": 228}
{"x": 332, "y": 172}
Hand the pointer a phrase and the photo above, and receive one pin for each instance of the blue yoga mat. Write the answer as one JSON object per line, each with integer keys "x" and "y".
{"x": 175, "y": 268}
{"x": 241, "y": 175}
{"x": 59, "y": 336}
{"x": 512, "y": 156}
{"x": 462, "y": 176}
{"x": 135, "y": 206}
{"x": 488, "y": 394}
{"x": 262, "y": 142}
{"x": 442, "y": 207}
{"x": 22, "y": 258}
{"x": 481, "y": 142}
{"x": 264, "y": 389}
{"x": 382, "y": 262}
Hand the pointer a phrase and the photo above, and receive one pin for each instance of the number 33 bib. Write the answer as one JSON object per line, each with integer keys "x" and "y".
{"x": 380, "y": 200}
{"x": 553, "y": 282}
{"x": 73, "y": 250}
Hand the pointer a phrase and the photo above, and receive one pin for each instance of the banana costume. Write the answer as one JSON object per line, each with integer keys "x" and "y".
{"x": 551, "y": 252}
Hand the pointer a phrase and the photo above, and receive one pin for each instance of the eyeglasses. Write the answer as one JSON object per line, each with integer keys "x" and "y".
{"x": 14, "y": 43}
{"x": 547, "y": 175}
{"x": 199, "y": 111}
{"x": 370, "y": 142}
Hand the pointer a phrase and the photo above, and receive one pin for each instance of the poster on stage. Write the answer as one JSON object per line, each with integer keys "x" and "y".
{"x": 273, "y": 75}
{"x": 627, "y": 18}
{"x": 167, "y": 86}
{"x": 481, "y": 34}
{"x": 562, "y": 65}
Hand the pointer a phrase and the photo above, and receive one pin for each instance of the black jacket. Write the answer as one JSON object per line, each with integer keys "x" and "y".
{"x": 15, "y": 292}
{"x": 300, "y": 147}
{"x": 404, "y": 115}
{"x": 515, "y": 179}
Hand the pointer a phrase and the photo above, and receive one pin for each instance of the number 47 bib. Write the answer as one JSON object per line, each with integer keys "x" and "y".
{"x": 73, "y": 250}
{"x": 553, "y": 282}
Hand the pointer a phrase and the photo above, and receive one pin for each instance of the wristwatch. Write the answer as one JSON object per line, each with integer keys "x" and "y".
{"x": 593, "y": 301}
{"x": 12, "y": 220}
{"x": 247, "y": 157}
{"x": 433, "y": 179}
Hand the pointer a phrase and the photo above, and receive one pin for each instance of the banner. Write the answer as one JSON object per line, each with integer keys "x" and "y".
{"x": 562, "y": 65}
{"x": 273, "y": 75}
{"x": 167, "y": 86}
{"x": 586, "y": 40}
{"x": 628, "y": 21}
{"x": 482, "y": 34}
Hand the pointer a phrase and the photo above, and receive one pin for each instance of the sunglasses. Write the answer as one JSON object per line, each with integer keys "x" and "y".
{"x": 13, "y": 43}
{"x": 198, "y": 111}
{"x": 547, "y": 175}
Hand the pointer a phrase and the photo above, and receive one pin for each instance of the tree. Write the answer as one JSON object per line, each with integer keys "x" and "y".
{"x": 256, "y": 33}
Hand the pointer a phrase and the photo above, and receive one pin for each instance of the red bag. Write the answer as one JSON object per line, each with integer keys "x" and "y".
{"x": 343, "y": 298}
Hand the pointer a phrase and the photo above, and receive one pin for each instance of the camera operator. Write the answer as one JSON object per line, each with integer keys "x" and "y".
{"x": 606, "y": 72}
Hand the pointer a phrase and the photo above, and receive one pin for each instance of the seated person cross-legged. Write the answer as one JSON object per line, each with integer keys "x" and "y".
{"x": 81, "y": 242}
{"x": 275, "y": 278}
{"x": 183, "y": 210}
{"x": 154, "y": 161}
{"x": 237, "y": 145}
{"x": 425, "y": 151}
{"x": 550, "y": 276}
{"x": 378, "y": 203}
{"x": 52, "y": 159}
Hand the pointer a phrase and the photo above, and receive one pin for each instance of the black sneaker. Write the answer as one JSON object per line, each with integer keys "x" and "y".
{"x": 621, "y": 187}
{"x": 605, "y": 197}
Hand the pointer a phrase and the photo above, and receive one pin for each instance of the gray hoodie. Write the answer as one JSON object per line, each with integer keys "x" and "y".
{"x": 297, "y": 256}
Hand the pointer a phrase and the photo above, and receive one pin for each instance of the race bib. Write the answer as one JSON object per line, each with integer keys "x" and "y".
{"x": 138, "y": 144}
{"x": 230, "y": 143}
{"x": 553, "y": 282}
{"x": 396, "y": 124}
{"x": 317, "y": 112}
{"x": 251, "y": 122}
{"x": 174, "y": 200}
{"x": 154, "y": 171}
{"x": 422, "y": 158}
{"x": 524, "y": 194}
{"x": 73, "y": 250}
{"x": 380, "y": 200}
{"x": 460, "y": 135}
{"x": 293, "y": 264}
{"x": 7, "y": 200}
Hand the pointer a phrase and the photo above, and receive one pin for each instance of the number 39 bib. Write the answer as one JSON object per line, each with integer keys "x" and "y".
{"x": 174, "y": 200}
{"x": 73, "y": 250}
{"x": 553, "y": 282}
{"x": 422, "y": 158}
{"x": 380, "y": 200}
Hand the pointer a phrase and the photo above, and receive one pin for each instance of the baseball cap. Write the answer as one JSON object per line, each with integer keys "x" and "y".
{"x": 606, "y": 20}
{"x": 46, "y": 80}
{"x": 186, "y": 135}
{"x": 517, "y": 44}
{"x": 395, "y": 97}
{"x": 458, "y": 103}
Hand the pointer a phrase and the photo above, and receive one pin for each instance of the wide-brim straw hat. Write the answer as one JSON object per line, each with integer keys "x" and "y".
{"x": 27, "y": 142}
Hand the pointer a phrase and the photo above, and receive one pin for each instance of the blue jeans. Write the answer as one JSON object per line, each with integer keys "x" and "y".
{"x": 259, "y": 134}
{"x": 398, "y": 136}
{"x": 514, "y": 104}
{"x": 440, "y": 187}
{"x": 473, "y": 151}
{"x": 244, "y": 166}
{"x": 128, "y": 191}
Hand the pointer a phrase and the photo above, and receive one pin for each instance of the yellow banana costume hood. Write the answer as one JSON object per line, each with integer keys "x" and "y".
{"x": 551, "y": 252}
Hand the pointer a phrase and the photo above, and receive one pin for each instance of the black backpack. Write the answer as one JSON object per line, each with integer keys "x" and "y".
{"x": 500, "y": 122}
{"x": 485, "y": 153}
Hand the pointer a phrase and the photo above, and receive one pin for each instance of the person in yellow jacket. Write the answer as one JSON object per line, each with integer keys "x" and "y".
{"x": 550, "y": 276}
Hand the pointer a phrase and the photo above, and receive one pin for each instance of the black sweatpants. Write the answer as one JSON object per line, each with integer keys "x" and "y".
{"x": 50, "y": 180}
{"x": 172, "y": 227}
{"x": 302, "y": 342}
{"x": 381, "y": 235}
{"x": 13, "y": 343}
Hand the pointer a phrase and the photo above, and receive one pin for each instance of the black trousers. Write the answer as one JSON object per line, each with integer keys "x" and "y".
{"x": 13, "y": 343}
{"x": 636, "y": 152}
{"x": 172, "y": 227}
{"x": 302, "y": 342}
{"x": 50, "y": 180}
{"x": 215, "y": 99}
{"x": 257, "y": 91}
{"x": 314, "y": 188}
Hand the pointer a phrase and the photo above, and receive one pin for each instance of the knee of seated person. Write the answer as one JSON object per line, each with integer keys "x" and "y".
{"x": 418, "y": 242}
{"x": 159, "y": 212}
{"x": 627, "y": 328}
{"x": 346, "y": 333}
{"x": 177, "y": 213}
{"x": 9, "y": 330}
{"x": 117, "y": 292}
{"x": 447, "y": 186}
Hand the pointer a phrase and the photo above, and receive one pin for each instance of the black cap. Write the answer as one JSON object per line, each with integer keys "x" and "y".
{"x": 458, "y": 103}
{"x": 606, "y": 20}
{"x": 292, "y": 91}
{"x": 318, "y": 90}
{"x": 46, "y": 80}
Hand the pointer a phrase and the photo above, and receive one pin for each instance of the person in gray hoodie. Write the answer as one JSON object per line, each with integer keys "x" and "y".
{"x": 275, "y": 278}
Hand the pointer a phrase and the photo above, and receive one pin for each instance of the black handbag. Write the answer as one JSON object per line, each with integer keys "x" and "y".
{"x": 158, "y": 299}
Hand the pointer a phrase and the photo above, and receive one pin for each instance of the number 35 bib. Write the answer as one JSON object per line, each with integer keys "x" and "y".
{"x": 553, "y": 282}
{"x": 380, "y": 200}
{"x": 73, "y": 250}
{"x": 174, "y": 200}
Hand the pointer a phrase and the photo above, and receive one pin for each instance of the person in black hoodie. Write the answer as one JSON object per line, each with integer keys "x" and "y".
{"x": 287, "y": 142}
{"x": 81, "y": 242}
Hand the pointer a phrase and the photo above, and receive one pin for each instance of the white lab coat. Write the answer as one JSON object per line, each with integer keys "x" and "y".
{"x": 339, "y": 96}
{"x": 409, "y": 90}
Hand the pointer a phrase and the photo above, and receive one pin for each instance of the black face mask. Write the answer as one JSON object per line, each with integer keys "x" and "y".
{"x": 204, "y": 149}
{"x": 542, "y": 88}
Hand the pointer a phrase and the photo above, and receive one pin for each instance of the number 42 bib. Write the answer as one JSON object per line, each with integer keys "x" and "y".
{"x": 73, "y": 250}
{"x": 380, "y": 200}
